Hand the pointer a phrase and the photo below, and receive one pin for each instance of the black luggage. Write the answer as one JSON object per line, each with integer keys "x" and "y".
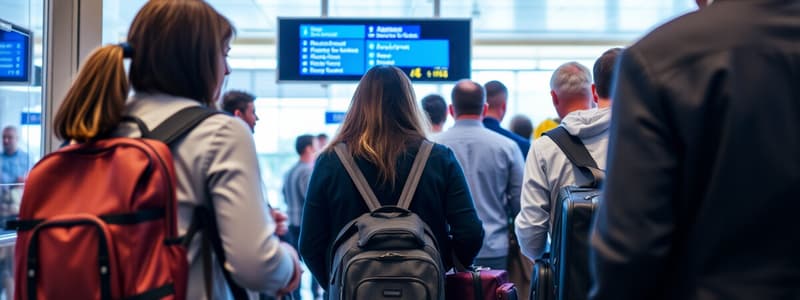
{"x": 573, "y": 220}
{"x": 542, "y": 280}
{"x": 569, "y": 262}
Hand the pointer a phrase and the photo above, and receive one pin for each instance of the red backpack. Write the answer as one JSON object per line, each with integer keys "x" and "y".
{"x": 98, "y": 220}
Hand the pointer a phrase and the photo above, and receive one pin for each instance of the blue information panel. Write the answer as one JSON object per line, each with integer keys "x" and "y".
{"x": 334, "y": 117}
{"x": 353, "y": 49}
{"x": 15, "y": 50}
{"x": 332, "y": 57}
{"x": 31, "y": 118}
{"x": 314, "y": 49}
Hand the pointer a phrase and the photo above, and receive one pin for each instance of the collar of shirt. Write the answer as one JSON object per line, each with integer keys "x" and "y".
{"x": 469, "y": 122}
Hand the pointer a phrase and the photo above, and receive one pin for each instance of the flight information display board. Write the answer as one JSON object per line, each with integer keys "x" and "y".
{"x": 322, "y": 49}
{"x": 15, "y": 54}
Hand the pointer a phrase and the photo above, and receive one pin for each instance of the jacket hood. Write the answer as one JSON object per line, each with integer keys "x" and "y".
{"x": 587, "y": 123}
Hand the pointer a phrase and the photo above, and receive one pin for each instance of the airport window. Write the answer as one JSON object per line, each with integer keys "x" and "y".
{"x": 21, "y": 31}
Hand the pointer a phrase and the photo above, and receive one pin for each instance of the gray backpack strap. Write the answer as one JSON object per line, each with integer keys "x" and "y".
{"x": 415, "y": 174}
{"x": 357, "y": 177}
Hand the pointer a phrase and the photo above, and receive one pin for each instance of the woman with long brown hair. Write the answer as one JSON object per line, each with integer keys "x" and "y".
{"x": 177, "y": 51}
{"x": 383, "y": 131}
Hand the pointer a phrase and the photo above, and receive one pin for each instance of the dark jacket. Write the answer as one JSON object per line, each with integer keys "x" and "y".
{"x": 701, "y": 200}
{"x": 523, "y": 143}
{"x": 442, "y": 199}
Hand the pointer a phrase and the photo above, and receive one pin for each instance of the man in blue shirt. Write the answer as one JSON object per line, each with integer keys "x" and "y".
{"x": 295, "y": 185}
{"x": 493, "y": 166}
{"x": 497, "y": 98}
{"x": 14, "y": 162}
{"x": 14, "y": 165}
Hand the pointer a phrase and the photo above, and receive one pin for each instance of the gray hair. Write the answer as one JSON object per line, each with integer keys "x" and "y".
{"x": 571, "y": 79}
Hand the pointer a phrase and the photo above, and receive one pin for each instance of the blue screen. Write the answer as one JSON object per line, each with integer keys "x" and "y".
{"x": 344, "y": 49}
{"x": 15, "y": 52}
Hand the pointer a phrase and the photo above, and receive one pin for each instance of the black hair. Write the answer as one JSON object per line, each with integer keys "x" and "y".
{"x": 603, "y": 71}
{"x": 436, "y": 108}
{"x": 302, "y": 142}
{"x": 236, "y": 100}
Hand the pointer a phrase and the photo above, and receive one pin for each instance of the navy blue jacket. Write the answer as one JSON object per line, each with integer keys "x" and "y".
{"x": 494, "y": 125}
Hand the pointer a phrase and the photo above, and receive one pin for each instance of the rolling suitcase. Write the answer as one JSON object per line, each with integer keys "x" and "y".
{"x": 573, "y": 221}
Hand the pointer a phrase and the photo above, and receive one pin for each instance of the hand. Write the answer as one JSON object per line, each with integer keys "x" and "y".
{"x": 281, "y": 219}
{"x": 294, "y": 283}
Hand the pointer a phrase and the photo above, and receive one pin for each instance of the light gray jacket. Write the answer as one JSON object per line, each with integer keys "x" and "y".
{"x": 217, "y": 162}
{"x": 547, "y": 170}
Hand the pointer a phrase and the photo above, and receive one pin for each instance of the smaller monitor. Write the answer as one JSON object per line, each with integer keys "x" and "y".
{"x": 15, "y": 54}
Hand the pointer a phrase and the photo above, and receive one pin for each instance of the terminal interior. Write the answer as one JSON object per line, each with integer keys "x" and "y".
{"x": 518, "y": 42}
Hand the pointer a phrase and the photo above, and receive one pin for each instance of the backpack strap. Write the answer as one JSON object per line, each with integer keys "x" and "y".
{"x": 576, "y": 152}
{"x": 363, "y": 187}
{"x": 415, "y": 174}
{"x": 170, "y": 131}
{"x": 357, "y": 177}
{"x": 178, "y": 125}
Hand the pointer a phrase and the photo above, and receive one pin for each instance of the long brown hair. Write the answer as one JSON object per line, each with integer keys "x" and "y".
{"x": 383, "y": 120}
{"x": 176, "y": 45}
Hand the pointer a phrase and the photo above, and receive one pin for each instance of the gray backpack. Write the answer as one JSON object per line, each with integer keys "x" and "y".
{"x": 389, "y": 252}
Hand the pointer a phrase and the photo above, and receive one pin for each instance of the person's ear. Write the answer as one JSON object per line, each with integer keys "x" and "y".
{"x": 238, "y": 113}
{"x": 555, "y": 98}
{"x": 595, "y": 96}
{"x": 451, "y": 111}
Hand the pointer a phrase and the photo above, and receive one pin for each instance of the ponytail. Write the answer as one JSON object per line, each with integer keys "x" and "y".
{"x": 94, "y": 103}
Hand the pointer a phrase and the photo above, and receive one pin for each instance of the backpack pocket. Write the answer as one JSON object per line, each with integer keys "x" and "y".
{"x": 403, "y": 274}
{"x": 71, "y": 256}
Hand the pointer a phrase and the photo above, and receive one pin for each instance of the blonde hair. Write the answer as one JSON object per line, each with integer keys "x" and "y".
{"x": 93, "y": 105}
{"x": 176, "y": 49}
{"x": 383, "y": 120}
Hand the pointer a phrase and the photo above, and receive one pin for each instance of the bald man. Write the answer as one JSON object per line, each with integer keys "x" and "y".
{"x": 14, "y": 163}
{"x": 492, "y": 164}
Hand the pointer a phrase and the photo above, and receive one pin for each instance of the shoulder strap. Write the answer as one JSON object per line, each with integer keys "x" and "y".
{"x": 415, "y": 174}
{"x": 363, "y": 187}
{"x": 576, "y": 152}
{"x": 357, "y": 177}
{"x": 179, "y": 124}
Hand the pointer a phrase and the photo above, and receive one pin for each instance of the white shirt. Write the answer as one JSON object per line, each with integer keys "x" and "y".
{"x": 217, "y": 162}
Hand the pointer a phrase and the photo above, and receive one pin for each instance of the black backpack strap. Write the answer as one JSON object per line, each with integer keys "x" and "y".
{"x": 576, "y": 152}
{"x": 170, "y": 131}
{"x": 358, "y": 178}
{"x": 415, "y": 174}
{"x": 205, "y": 219}
{"x": 180, "y": 124}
